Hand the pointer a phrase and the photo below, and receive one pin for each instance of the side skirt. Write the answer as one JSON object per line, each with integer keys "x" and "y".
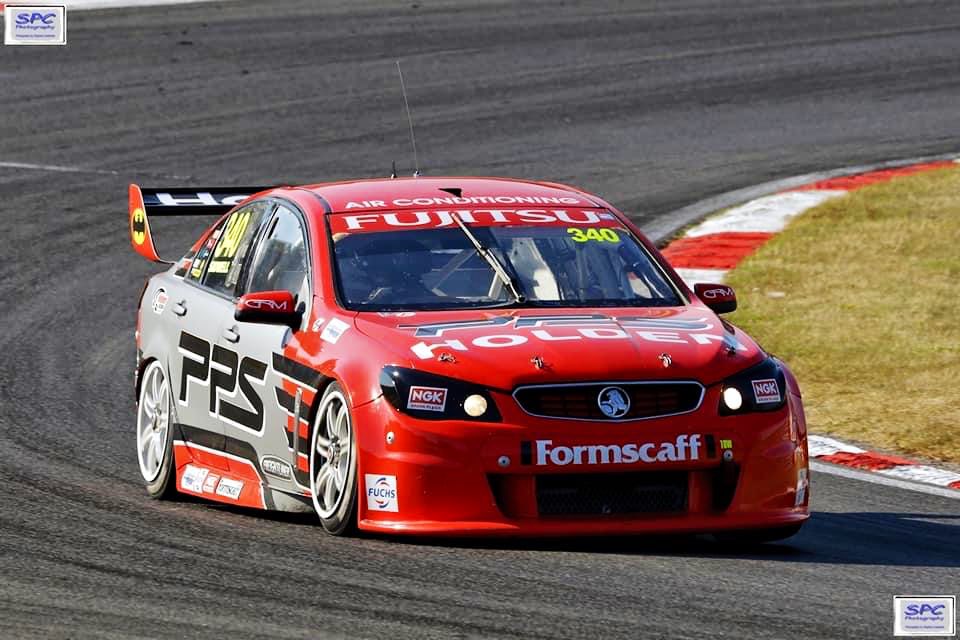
{"x": 230, "y": 477}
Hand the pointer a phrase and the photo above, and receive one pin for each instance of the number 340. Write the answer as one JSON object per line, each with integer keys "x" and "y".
{"x": 597, "y": 235}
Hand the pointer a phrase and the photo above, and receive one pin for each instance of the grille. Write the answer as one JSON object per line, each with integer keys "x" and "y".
{"x": 612, "y": 493}
{"x": 647, "y": 400}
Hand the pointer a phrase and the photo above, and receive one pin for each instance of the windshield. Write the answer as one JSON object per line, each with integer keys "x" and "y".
{"x": 424, "y": 260}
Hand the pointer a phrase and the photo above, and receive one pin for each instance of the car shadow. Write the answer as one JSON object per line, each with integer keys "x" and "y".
{"x": 860, "y": 538}
{"x": 863, "y": 538}
{"x": 302, "y": 518}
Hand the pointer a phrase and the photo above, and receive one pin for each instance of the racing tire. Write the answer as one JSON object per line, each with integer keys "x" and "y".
{"x": 752, "y": 537}
{"x": 333, "y": 463}
{"x": 155, "y": 433}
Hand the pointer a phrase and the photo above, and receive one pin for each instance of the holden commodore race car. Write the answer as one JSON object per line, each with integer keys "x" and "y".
{"x": 455, "y": 356}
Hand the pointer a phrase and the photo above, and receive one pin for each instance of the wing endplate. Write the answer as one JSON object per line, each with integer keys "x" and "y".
{"x": 177, "y": 201}
{"x": 140, "y": 236}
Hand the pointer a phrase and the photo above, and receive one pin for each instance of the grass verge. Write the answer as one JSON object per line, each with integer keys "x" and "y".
{"x": 861, "y": 296}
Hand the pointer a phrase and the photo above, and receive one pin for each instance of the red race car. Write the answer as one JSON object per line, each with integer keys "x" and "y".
{"x": 455, "y": 356}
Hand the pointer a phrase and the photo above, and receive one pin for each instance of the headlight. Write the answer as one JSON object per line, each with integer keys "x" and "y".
{"x": 475, "y": 405}
{"x": 762, "y": 387}
{"x": 732, "y": 398}
{"x": 432, "y": 397}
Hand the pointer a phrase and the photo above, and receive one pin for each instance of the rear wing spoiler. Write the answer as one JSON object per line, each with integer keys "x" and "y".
{"x": 195, "y": 201}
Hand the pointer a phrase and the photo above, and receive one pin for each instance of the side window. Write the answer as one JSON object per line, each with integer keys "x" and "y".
{"x": 234, "y": 240}
{"x": 281, "y": 260}
{"x": 200, "y": 260}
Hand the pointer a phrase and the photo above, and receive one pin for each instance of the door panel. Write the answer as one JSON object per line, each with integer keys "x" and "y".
{"x": 209, "y": 373}
{"x": 194, "y": 369}
{"x": 280, "y": 262}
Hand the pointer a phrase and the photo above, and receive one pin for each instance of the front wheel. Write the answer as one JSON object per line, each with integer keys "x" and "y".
{"x": 333, "y": 463}
{"x": 155, "y": 433}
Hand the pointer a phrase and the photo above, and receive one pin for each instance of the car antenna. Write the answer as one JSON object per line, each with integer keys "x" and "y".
{"x": 393, "y": 169}
{"x": 413, "y": 139}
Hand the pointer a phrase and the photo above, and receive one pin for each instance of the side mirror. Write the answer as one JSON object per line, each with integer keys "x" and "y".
{"x": 269, "y": 307}
{"x": 719, "y": 297}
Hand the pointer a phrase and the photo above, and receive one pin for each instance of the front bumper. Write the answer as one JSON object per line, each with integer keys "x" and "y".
{"x": 474, "y": 478}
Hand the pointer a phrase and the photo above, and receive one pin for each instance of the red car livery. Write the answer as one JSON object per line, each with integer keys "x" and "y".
{"x": 455, "y": 356}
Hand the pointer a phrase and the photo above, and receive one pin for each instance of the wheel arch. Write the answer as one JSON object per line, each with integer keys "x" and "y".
{"x": 145, "y": 362}
{"x": 142, "y": 365}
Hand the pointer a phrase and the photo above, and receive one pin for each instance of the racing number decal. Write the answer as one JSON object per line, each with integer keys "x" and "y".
{"x": 596, "y": 235}
{"x": 223, "y": 369}
{"x": 232, "y": 235}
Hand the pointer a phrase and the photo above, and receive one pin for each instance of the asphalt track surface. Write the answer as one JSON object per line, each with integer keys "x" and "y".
{"x": 652, "y": 105}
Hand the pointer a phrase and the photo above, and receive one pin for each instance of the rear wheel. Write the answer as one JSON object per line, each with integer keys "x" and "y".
{"x": 333, "y": 463}
{"x": 750, "y": 537}
{"x": 155, "y": 433}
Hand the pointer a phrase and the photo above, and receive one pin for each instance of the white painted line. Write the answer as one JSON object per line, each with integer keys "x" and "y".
{"x": 769, "y": 214}
{"x": 56, "y": 168}
{"x": 103, "y": 172}
{"x": 692, "y": 276}
{"x": 844, "y": 472}
{"x": 824, "y": 446}
{"x": 923, "y": 473}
